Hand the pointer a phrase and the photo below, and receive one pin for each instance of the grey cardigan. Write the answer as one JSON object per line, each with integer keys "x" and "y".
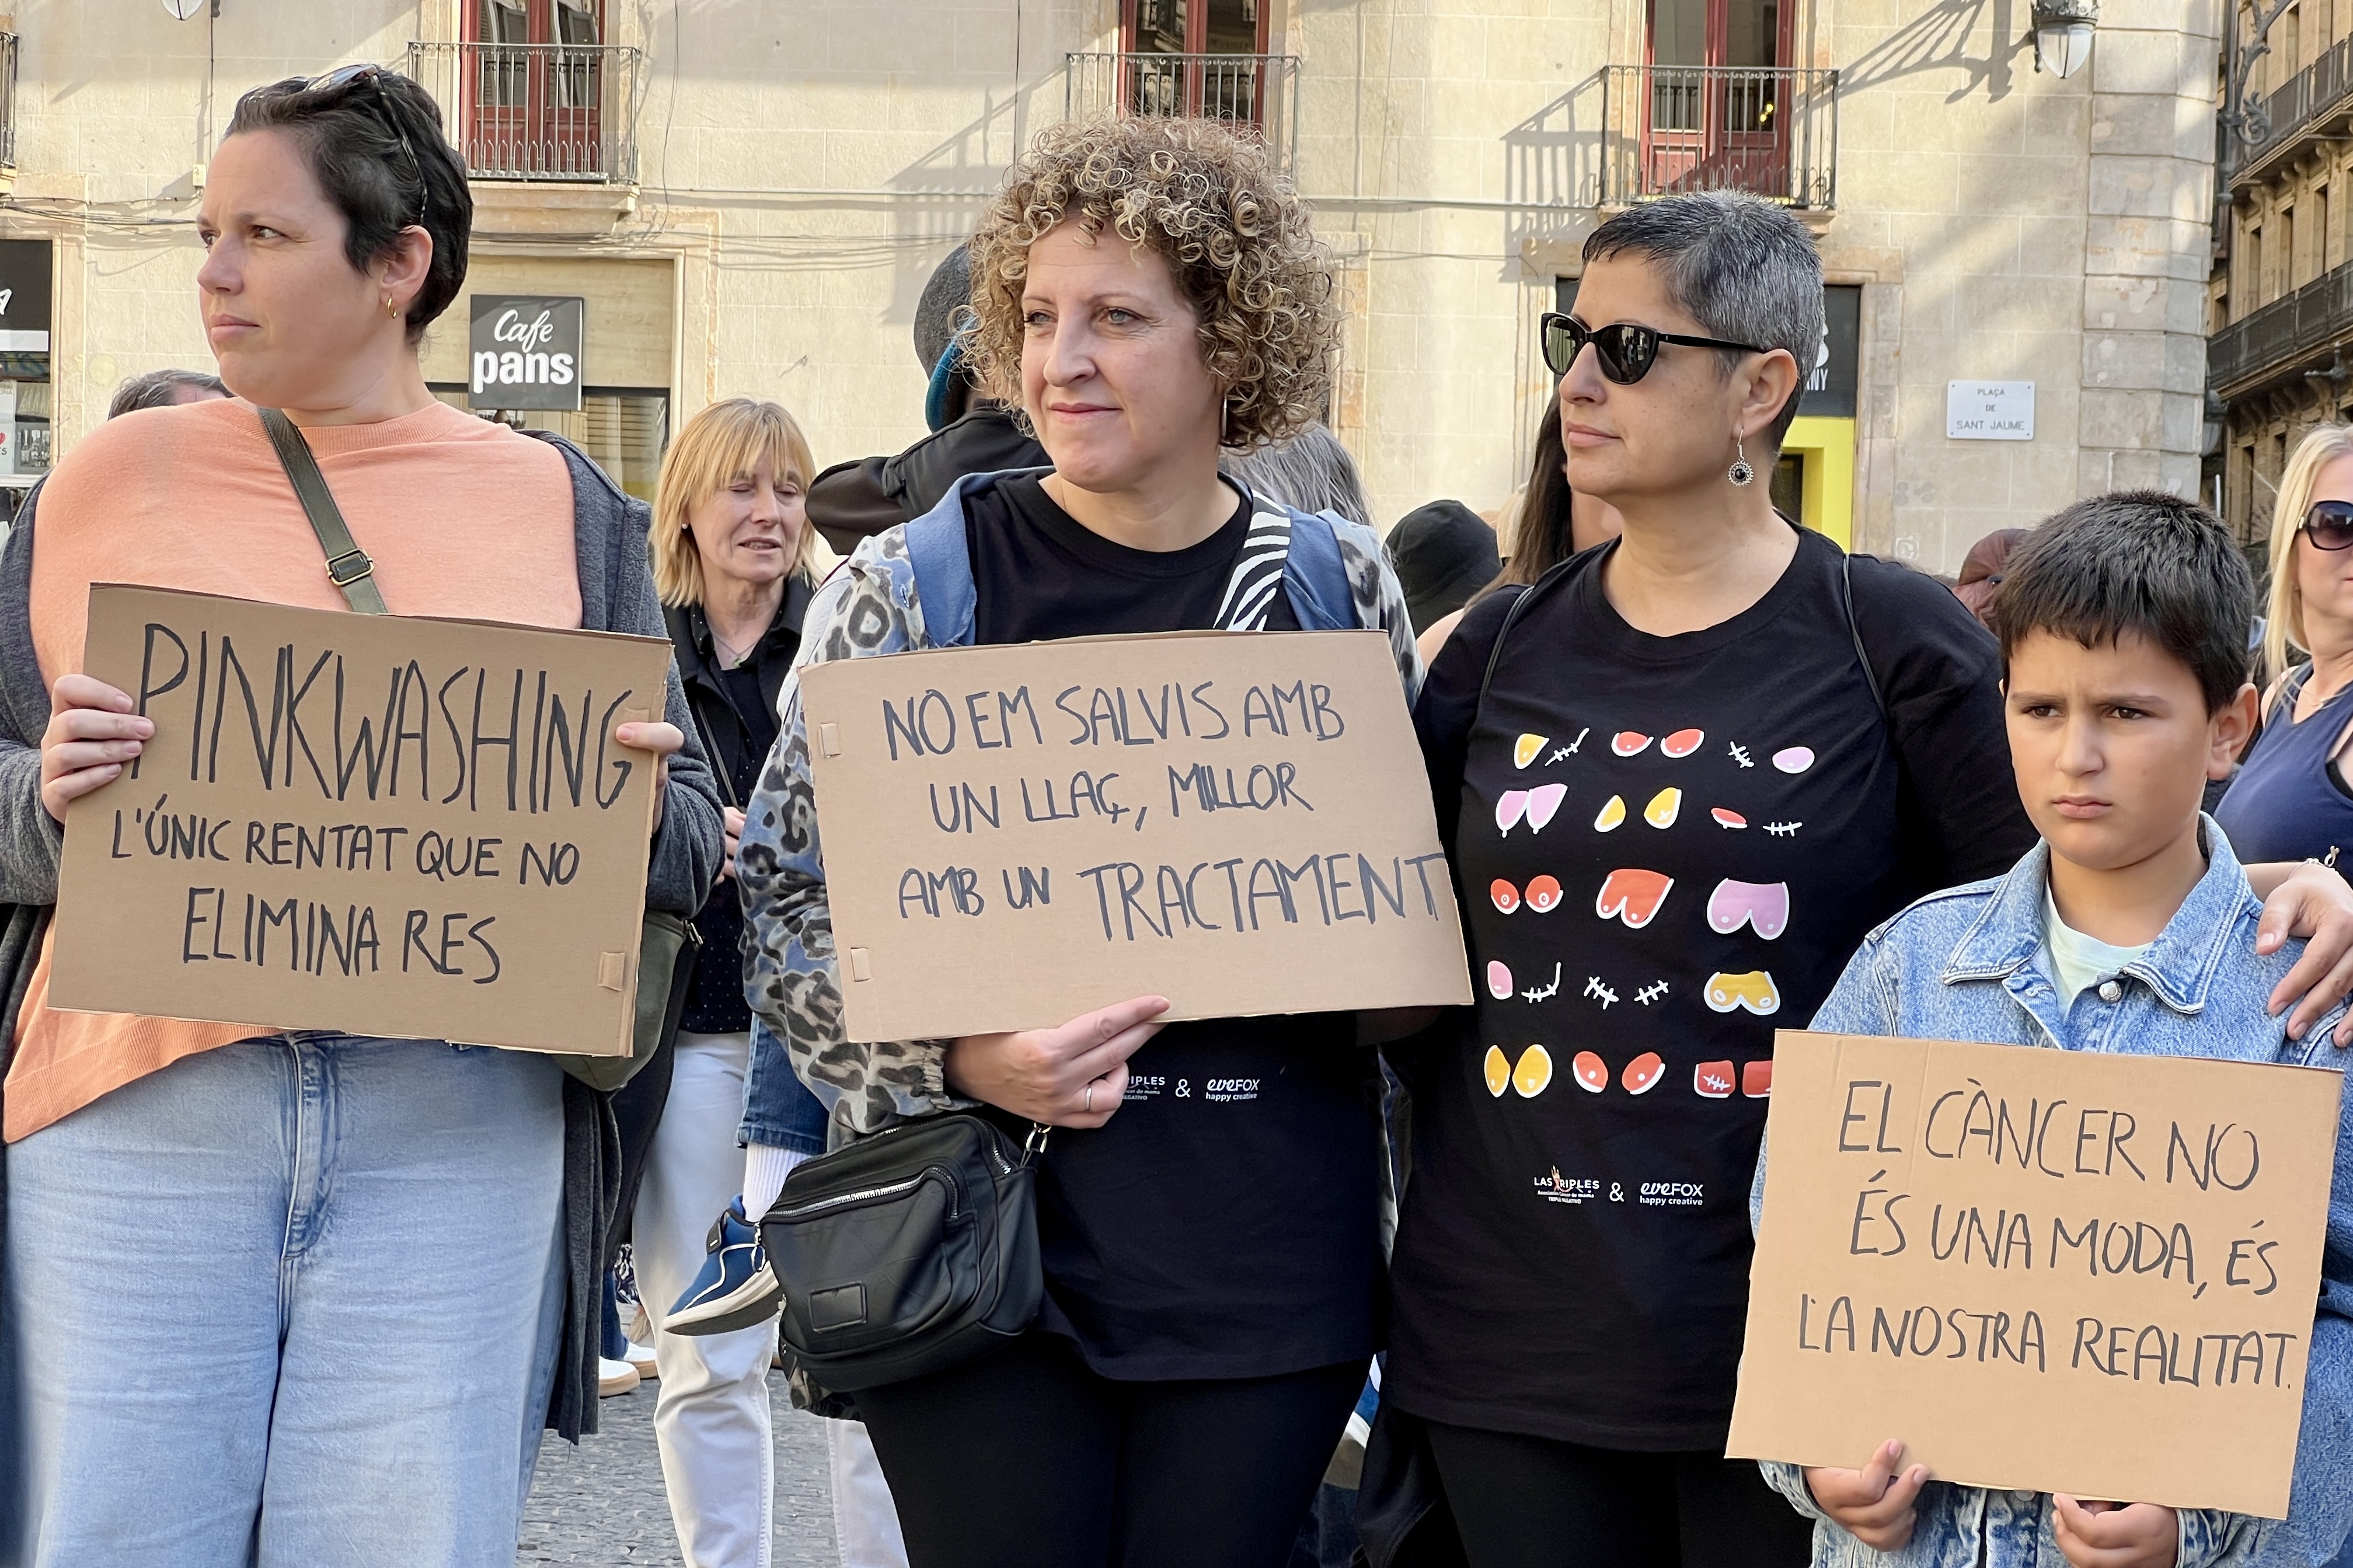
{"x": 616, "y": 595}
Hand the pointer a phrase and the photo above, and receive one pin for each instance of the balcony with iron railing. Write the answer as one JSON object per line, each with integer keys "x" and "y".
{"x": 1771, "y": 131}
{"x": 2303, "y": 108}
{"x": 1256, "y": 94}
{"x": 2277, "y": 338}
{"x": 537, "y": 111}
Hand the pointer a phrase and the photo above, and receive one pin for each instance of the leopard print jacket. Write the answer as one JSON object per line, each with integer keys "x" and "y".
{"x": 869, "y": 607}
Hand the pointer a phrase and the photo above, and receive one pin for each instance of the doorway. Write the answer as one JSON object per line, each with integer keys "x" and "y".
{"x": 1195, "y": 57}
{"x": 533, "y": 99}
{"x": 1716, "y": 116}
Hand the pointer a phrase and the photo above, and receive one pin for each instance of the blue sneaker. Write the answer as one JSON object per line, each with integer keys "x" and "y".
{"x": 736, "y": 1288}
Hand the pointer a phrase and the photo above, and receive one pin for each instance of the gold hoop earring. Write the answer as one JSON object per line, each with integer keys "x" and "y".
{"x": 390, "y": 307}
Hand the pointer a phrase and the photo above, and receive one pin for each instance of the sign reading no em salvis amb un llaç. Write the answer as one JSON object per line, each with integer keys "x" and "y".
{"x": 1238, "y": 822}
{"x": 2044, "y": 1270}
{"x": 524, "y": 352}
{"x": 375, "y": 823}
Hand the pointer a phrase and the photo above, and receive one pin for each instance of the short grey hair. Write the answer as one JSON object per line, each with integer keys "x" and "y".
{"x": 1747, "y": 271}
{"x": 158, "y": 388}
{"x": 1311, "y": 472}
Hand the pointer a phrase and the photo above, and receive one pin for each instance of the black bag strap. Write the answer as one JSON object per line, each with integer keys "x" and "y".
{"x": 711, "y": 751}
{"x": 348, "y": 566}
{"x": 1560, "y": 572}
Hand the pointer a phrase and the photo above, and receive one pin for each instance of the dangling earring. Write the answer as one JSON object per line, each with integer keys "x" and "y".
{"x": 1225, "y": 420}
{"x": 1742, "y": 471}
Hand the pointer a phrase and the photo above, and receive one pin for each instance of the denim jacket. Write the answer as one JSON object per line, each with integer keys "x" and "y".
{"x": 1969, "y": 964}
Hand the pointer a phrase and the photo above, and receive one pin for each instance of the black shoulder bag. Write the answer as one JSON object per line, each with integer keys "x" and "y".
{"x": 907, "y": 1253}
{"x": 668, "y": 943}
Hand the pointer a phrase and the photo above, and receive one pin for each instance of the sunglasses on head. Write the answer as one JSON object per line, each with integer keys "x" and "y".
{"x": 373, "y": 75}
{"x": 2330, "y": 524}
{"x": 1625, "y": 352}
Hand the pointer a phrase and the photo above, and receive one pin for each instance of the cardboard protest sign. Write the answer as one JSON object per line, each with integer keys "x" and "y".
{"x": 1237, "y": 822}
{"x": 369, "y": 823}
{"x": 2044, "y": 1270}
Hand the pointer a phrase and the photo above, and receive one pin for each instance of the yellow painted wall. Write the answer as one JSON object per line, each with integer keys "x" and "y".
{"x": 1827, "y": 500}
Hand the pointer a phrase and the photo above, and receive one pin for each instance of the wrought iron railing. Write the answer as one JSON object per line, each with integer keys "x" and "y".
{"x": 1768, "y": 129}
{"x": 7, "y": 101}
{"x": 2290, "y": 328}
{"x": 537, "y": 111}
{"x": 2304, "y": 98}
{"x": 1256, "y": 93}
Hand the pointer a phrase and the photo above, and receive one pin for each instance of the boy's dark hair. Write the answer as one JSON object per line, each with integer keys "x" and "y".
{"x": 374, "y": 143}
{"x": 2135, "y": 561}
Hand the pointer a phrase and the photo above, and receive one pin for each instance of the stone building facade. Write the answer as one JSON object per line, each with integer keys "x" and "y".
{"x": 748, "y": 197}
{"x": 2280, "y": 290}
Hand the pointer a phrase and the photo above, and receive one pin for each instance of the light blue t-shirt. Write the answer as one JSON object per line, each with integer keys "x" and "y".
{"x": 2076, "y": 961}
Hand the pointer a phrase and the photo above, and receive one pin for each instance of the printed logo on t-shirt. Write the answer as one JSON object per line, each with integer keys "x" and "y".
{"x": 1556, "y": 1188}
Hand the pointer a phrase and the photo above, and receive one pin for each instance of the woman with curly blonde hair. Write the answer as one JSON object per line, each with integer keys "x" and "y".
{"x": 1148, "y": 293}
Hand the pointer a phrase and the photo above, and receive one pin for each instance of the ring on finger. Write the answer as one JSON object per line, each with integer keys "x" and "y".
{"x": 1090, "y": 1096}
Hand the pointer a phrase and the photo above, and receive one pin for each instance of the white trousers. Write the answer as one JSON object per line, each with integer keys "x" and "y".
{"x": 710, "y": 1410}
{"x": 865, "y": 1519}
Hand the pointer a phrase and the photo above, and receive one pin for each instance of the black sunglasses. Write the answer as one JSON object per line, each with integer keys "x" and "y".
{"x": 2330, "y": 524}
{"x": 373, "y": 76}
{"x": 1626, "y": 351}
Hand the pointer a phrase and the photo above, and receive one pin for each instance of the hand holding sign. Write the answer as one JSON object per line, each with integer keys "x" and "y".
{"x": 1875, "y": 1503}
{"x": 1073, "y": 1076}
{"x": 94, "y": 733}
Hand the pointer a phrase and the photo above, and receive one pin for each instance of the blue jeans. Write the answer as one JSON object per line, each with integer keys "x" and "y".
{"x": 778, "y": 1109}
{"x": 292, "y": 1302}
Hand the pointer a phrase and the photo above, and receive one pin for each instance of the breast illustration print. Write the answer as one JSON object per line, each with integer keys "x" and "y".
{"x": 1633, "y": 895}
{"x": 1682, "y": 742}
{"x": 1763, "y": 905}
{"x": 1753, "y": 991}
{"x": 1538, "y": 806}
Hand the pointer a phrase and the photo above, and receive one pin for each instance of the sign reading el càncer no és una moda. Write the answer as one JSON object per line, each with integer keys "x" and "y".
{"x": 2044, "y": 1270}
{"x": 1238, "y": 822}
{"x": 377, "y": 824}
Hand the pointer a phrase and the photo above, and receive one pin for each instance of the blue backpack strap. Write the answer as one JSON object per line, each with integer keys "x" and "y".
{"x": 1316, "y": 578}
{"x": 942, "y": 558}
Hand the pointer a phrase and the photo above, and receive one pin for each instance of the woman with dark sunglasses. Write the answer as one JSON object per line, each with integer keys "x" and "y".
{"x": 1676, "y": 797}
{"x": 237, "y": 1258}
{"x": 2291, "y": 799}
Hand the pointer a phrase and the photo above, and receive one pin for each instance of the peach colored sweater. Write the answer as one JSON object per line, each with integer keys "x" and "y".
{"x": 461, "y": 516}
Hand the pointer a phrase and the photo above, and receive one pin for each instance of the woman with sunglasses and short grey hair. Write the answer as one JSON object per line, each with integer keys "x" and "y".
{"x": 236, "y": 1258}
{"x": 2292, "y": 798}
{"x": 1675, "y": 802}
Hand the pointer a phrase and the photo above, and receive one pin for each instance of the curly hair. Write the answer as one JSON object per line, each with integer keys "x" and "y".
{"x": 1231, "y": 230}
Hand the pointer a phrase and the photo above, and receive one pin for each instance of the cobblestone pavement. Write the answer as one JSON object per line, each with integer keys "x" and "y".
{"x": 602, "y": 1502}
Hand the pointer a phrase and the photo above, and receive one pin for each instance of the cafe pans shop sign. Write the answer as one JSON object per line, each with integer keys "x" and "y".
{"x": 524, "y": 352}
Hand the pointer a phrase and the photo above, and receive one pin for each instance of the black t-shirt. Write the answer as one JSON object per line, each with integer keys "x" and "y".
{"x": 1667, "y": 848}
{"x": 1226, "y": 1223}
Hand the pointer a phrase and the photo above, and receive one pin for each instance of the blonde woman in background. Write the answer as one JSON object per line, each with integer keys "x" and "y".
{"x": 733, "y": 560}
{"x": 2290, "y": 800}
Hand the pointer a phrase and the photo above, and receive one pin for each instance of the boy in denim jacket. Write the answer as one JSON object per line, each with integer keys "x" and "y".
{"x": 2127, "y": 930}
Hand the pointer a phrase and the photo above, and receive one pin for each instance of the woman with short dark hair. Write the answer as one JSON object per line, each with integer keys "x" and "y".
{"x": 236, "y": 1258}
{"x": 1680, "y": 776}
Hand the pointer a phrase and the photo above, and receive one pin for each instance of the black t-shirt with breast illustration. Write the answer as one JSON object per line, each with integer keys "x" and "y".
{"x": 1226, "y": 1222}
{"x": 1667, "y": 848}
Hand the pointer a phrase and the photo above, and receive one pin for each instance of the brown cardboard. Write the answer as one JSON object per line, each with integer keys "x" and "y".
{"x": 503, "y": 913}
{"x": 964, "y": 797}
{"x": 2209, "y": 1181}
